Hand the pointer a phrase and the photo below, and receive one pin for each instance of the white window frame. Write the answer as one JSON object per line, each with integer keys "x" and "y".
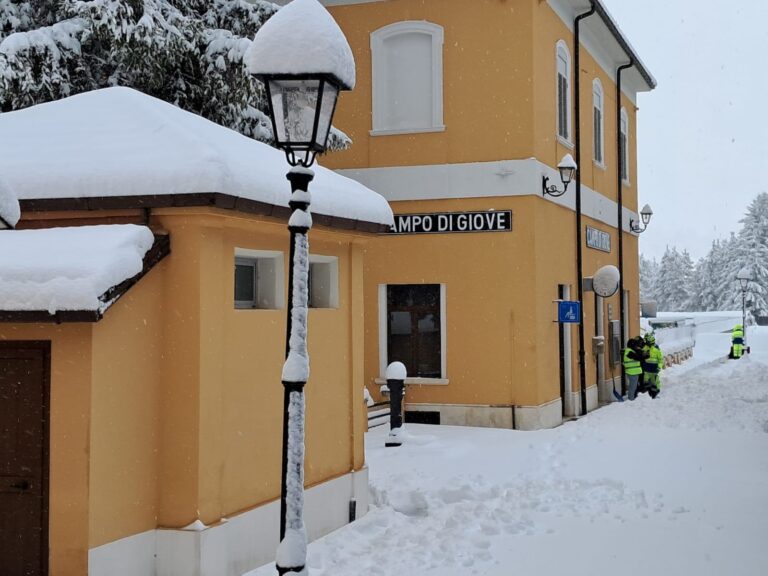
{"x": 624, "y": 134}
{"x": 378, "y": 63}
{"x": 598, "y": 125}
{"x": 329, "y": 300}
{"x": 384, "y": 352}
{"x": 563, "y": 67}
{"x": 271, "y": 284}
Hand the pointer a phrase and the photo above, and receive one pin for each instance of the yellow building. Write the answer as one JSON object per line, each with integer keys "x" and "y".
{"x": 460, "y": 111}
{"x": 148, "y": 415}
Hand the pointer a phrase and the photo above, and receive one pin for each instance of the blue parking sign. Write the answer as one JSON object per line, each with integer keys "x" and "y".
{"x": 569, "y": 311}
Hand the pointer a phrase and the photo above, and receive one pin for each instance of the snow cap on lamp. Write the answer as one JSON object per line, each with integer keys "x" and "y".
{"x": 302, "y": 38}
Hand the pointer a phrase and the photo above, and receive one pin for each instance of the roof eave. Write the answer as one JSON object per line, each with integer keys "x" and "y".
{"x": 197, "y": 199}
{"x": 618, "y": 35}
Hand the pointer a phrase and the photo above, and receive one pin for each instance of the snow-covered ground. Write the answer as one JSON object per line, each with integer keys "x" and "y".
{"x": 672, "y": 486}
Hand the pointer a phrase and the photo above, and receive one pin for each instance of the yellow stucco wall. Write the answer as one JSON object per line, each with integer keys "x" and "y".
{"x": 229, "y": 458}
{"x": 125, "y": 413}
{"x": 170, "y": 408}
{"x": 499, "y": 86}
{"x": 487, "y": 57}
{"x": 69, "y": 439}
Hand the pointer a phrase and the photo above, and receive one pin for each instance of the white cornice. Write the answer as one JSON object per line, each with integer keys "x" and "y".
{"x": 484, "y": 180}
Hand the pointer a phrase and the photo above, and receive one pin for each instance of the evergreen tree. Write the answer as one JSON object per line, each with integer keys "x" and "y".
{"x": 649, "y": 272}
{"x": 186, "y": 52}
{"x": 752, "y": 253}
{"x": 673, "y": 286}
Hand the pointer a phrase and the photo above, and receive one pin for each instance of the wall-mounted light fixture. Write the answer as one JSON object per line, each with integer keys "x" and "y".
{"x": 567, "y": 168}
{"x": 645, "y": 215}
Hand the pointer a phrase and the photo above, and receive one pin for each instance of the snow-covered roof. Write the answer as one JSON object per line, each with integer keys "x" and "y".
{"x": 118, "y": 142}
{"x": 66, "y": 269}
{"x": 302, "y": 38}
{"x": 9, "y": 206}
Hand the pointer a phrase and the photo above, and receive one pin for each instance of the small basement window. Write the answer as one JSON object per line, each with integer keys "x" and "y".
{"x": 323, "y": 281}
{"x": 258, "y": 279}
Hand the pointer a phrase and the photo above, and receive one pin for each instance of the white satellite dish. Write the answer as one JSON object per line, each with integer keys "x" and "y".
{"x": 605, "y": 282}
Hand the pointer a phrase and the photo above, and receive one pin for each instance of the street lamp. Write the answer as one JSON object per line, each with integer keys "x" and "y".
{"x": 744, "y": 277}
{"x": 304, "y": 60}
{"x": 645, "y": 215}
{"x": 567, "y": 168}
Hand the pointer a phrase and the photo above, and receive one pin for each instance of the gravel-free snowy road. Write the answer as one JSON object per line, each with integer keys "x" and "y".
{"x": 672, "y": 486}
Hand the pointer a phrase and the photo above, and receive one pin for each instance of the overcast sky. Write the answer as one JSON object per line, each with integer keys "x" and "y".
{"x": 703, "y": 133}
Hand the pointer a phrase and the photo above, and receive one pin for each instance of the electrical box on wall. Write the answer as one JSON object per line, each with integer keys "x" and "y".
{"x": 615, "y": 336}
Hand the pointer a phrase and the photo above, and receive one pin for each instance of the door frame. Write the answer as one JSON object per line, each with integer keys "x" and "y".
{"x": 43, "y": 346}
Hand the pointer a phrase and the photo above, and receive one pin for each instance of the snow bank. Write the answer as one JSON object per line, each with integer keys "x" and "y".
{"x": 672, "y": 486}
{"x": 302, "y": 38}
{"x": 120, "y": 142}
{"x": 9, "y": 205}
{"x": 68, "y": 268}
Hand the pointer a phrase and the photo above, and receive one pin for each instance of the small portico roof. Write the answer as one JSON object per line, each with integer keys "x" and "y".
{"x": 73, "y": 274}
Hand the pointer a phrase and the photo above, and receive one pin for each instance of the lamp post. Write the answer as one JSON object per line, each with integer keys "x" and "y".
{"x": 567, "y": 168}
{"x": 304, "y": 60}
{"x": 744, "y": 277}
{"x": 645, "y": 216}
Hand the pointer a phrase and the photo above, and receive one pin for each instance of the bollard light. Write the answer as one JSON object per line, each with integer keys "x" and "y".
{"x": 396, "y": 375}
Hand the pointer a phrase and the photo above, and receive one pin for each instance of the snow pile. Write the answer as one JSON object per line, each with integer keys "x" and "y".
{"x": 670, "y": 486}
{"x": 68, "y": 268}
{"x": 302, "y": 38}
{"x": 9, "y": 205}
{"x": 674, "y": 340}
{"x": 120, "y": 142}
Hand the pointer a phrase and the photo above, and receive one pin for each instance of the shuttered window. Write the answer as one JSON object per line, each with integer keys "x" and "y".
{"x": 563, "y": 91}
{"x": 597, "y": 122}
{"x": 624, "y": 145}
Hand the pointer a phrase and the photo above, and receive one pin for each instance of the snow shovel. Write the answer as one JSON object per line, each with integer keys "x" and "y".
{"x": 616, "y": 395}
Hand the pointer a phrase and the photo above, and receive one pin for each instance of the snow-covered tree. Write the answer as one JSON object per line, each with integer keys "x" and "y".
{"x": 186, "y": 52}
{"x": 752, "y": 253}
{"x": 674, "y": 280}
{"x": 649, "y": 273}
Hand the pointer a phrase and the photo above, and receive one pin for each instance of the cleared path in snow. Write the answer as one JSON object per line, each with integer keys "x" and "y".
{"x": 672, "y": 486}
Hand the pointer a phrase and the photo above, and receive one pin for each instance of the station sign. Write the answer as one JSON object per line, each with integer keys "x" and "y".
{"x": 450, "y": 222}
{"x": 598, "y": 239}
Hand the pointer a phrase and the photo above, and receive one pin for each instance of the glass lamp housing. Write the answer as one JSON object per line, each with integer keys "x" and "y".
{"x": 566, "y": 174}
{"x": 646, "y": 214}
{"x": 302, "y": 108}
{"x": 567, "y": 168}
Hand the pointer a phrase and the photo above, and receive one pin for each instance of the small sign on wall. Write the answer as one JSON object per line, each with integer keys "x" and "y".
{"x": 568, "y": 311}
{"x": 598, "y": 239}
{"x": 451, "y": 222}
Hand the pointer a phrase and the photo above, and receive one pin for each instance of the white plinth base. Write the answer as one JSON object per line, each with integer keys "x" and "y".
{"x": 232, "y": 547}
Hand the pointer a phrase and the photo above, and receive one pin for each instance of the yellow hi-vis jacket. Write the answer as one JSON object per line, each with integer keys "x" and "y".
{"x": 631, "y": 366}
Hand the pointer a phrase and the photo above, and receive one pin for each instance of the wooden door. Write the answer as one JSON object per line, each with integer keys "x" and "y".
{"x": 24, "y": 393}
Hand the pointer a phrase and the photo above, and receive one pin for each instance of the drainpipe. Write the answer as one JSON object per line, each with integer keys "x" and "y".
{"x": 579, "y": 257}
{"x": 620, "y": 214}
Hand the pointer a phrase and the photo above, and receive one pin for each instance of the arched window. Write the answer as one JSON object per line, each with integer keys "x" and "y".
{"x": 624, "y": 145}
{"x": 407, "y": 60}
{"x": 563, "y": 91}
{"x": 598, "y": 131}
